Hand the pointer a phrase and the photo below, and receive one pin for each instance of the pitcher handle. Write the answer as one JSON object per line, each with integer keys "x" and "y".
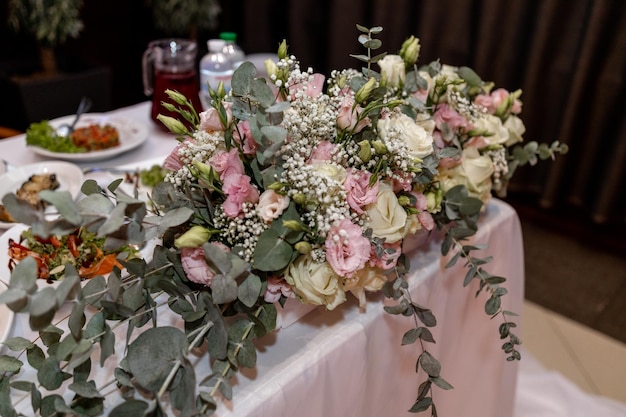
{"x": 147, "y": 72}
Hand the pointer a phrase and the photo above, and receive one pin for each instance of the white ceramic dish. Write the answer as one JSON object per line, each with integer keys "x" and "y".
{"x": 70, "y": 178}
{"x": 132, "y": 134}
{"x": 6, "y": 318}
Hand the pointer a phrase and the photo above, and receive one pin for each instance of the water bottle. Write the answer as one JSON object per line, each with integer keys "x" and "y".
{"x": 231, "y": 49}
{"x": 215, "y": 66}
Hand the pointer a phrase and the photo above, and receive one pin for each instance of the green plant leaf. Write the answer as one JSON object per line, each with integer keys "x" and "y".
{"x": 272, "y": 253}
{"x": 10, "y": 364}
{"x": 429, "y": 364}
{"x": 224, "y": 289}
{"x": 249, "y": 290}
{"x": 150, "y": 360}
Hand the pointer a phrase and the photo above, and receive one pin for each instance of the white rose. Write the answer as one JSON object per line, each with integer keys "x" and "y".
{"x": 516, "y": 129}
{"x": 387, "y": 217}
{"x": 315, "y": 282}
{"x": 416, "y": 138}
{"x": 366, "y": 279}
{"x": 271, "y": 205}
{"x": 331, "y": 171}
{"x": 474, "y": 172}
{"x": 392, "y": 71}
{"x": 426, "y": 121}
{"x": 450, "y": 72}
{"x": 499, "y": 134}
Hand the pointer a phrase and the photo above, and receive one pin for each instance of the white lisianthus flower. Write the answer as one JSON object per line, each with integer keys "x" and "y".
{"x": 474, "y": 172}
{"x": 315, "y": 282}
{"x": 392, "y": 72}
{"x": 499, "y": 135}
{"x": 417, "y": 139}
{"x": 516, "y": 129}
{"x": 387, "y": 217}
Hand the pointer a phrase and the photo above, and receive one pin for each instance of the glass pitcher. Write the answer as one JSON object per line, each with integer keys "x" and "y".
{"x": 170, "y": 64}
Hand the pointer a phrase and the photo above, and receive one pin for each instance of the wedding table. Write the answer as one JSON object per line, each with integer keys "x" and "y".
{"x": 350, "y": 362}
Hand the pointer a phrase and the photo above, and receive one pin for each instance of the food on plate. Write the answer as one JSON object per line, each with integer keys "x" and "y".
{"x": 82, "y": 248}
{"x": 29, "y": 192}
{"x": 93, "y": 137}
{"x": 96, "y": 137}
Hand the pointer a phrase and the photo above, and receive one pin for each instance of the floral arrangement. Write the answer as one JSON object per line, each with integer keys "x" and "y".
{"x": 297, "y": 187}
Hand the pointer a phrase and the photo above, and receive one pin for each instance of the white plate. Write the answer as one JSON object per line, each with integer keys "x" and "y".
{"x": 70, "y": 178}
{"x": 132, "y": 134}
{"x": 6, "y": 318}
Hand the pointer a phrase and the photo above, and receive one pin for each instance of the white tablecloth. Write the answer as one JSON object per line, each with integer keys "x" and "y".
{"x": 350, "y": 362}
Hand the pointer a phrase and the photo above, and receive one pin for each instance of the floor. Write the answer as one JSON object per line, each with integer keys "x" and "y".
{"x": 593, "y": 361}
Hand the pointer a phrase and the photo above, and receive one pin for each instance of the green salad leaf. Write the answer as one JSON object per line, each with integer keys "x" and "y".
{"x": 42, "y": 134}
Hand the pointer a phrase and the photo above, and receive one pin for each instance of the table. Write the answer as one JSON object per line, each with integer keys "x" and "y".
{"x": 349, "y": 362}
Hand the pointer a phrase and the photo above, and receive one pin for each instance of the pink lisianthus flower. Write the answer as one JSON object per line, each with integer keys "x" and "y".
{"x": 172, "y": 161}
{"x": 360, "y": 193}
{"x": 227, "y": 164}
{"x": 348, "y": 117}
{"x": 389, "y": 258}
{"x": 347, "y": 250}
{"x": 424, "y": 217}
{"x": 402, "y": 181}
{"x": 238, "y": 190}
{"x": 210, "y": 119}
{"x": 248, "y": 143}
{"x": 494, "y": 100}
{"x": 323, "y": 152}
{"x": 277, "y": 287}
{"x": 446, "y": 114}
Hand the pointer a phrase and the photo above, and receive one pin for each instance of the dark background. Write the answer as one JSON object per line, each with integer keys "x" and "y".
{"x": 569, "y": 57}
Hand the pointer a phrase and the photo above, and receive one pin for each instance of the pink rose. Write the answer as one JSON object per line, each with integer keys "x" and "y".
{"x": 172, "y": 161}
{"x": 249, "y": 145}
{"x": 360, "y": 193}
{"x": 389, "y": 258}
{"x": 238, "y": 191}
{"x": 446, "y": 114}
{"x": 227, "y": 164}
{"x": 210, "y": 119}
{"x": 271, "y": 205}
{"x": 347, "y": 249}
{"x": 494, "y": 100}
{"x": 277, "y": 286}
{"x": 323, "y": 152}
{"x": 348, "y": 117}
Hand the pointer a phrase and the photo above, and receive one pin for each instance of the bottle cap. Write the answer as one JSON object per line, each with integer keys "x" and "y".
{"x": 215, "y": 45}
{"x": 229, "y": 36}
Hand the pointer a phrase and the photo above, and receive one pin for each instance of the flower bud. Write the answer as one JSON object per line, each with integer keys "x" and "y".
{"x": 294, "y": 225}
{"x": 433, "y": 199}
{"x": 365, "y": 150}
{"x": 174, "y": 125}
{"x": 365, "y": 91}
{"x": 303, "y": 247}
{"x": 276, "y": 186}
{"x": 193, "y": 238}
{"x": 404, "y": 201}
{"x": 299, "y": 198}
{"x": 176, "y": 97}
{"x": 282, "y": 50}
{"x": 410, "y": 51}
{"x": 271, "y": 68}
{"x": 379, "y": 147}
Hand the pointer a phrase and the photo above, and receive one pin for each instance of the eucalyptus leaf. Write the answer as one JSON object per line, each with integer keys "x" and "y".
{"x": 150, "y": 360}
{"x": 249, "y": 290}
{"x": 10, "y": 364}
{"x": 63, "y": 201}
{"x": 18, "y": 343}
{"x": 49, "y": 374}
{"x": 85, "y": 389}
{"x": 224, "y": 289}
{"x": 43, "y": 302}
{"x": 272, "y": 253}
{"x": 429, "y": 364}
